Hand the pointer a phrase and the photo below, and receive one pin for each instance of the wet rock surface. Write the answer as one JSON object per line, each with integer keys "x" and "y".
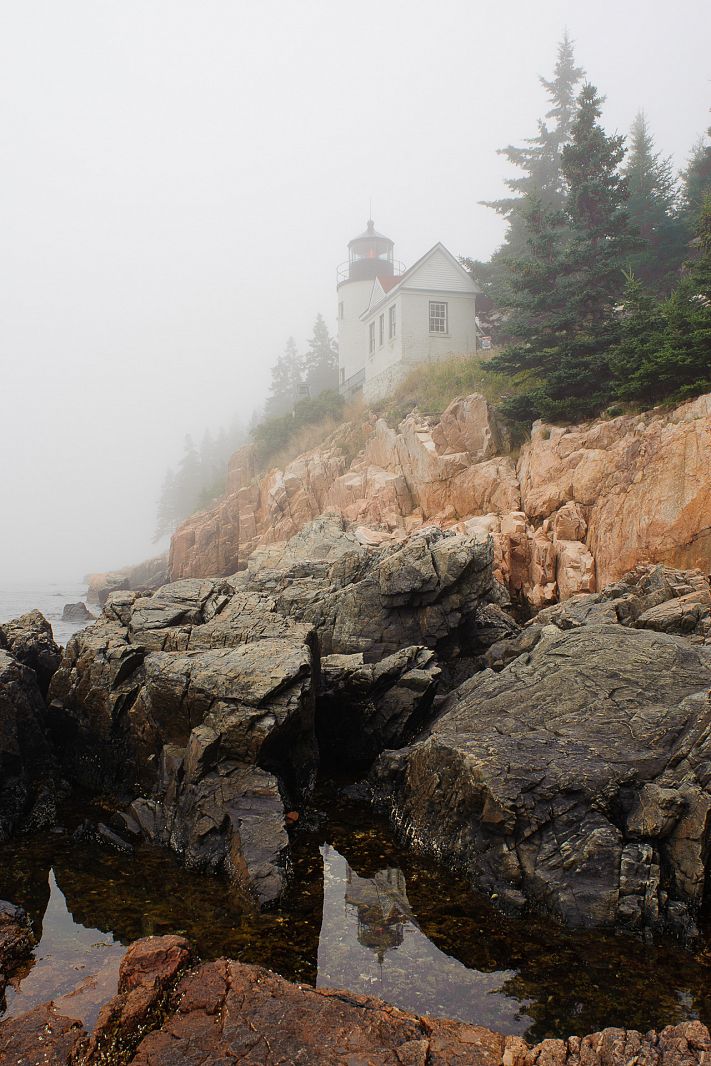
{"x": 226, "y": 1011}
{"x": 16, "y": 942}
{"x": 27, "y": 765}
{"x": 575, "y": 778}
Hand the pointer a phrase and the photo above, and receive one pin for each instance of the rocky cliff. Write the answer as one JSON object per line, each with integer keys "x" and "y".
{"x": 579, "y": 507}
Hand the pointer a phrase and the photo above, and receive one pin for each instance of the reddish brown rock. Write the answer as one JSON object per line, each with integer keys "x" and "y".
{"x": 42, "y": 1037}
{"x": 148, "y": 973}
{"x": 582, "y": 506}
{"x": 16, "y": 941}
{"x": 642, "y": 482}
{"x": 226, "y": 1011}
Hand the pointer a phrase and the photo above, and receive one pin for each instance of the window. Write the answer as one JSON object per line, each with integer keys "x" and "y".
{"x": 343, "y": 374}
{"x": 381, "y": 330}
{"x": 391, "y": 322}
{"x": 340, "y": 309}
{"x": 438, "y": 316}
{"x": 371, "y": 337}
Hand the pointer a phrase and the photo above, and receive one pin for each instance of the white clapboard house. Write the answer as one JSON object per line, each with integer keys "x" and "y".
{"x": 390, "y": 319}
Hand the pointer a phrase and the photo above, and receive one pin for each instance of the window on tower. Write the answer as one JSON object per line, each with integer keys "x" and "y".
{"x": 340, "y": 309}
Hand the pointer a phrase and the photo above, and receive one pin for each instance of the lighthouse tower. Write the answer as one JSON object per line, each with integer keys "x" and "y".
{"x": 370, "y": 256}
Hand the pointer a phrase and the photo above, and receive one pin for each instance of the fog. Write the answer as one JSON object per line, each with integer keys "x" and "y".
{"x": 179, "y": 183}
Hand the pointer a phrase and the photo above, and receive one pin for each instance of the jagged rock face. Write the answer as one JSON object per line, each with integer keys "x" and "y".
{"x": 365, "y": 708}
{"x": 642, "y": 482}
{"x": 435, "y": 589}
{"x": 201, "y": 709}
{"x": 196, "y": 704}
{"x": 650, "y": 597}
{"x": 149, "y": 574}
{"x": 580, "y": 507}
{"x": 578, "y": 778}
{"x": 166, "y": 1012}
{"x": 30, "y": 640}
{"x": 26, "y": 760}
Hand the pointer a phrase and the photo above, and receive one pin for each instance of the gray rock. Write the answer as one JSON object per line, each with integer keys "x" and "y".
{"x": 578, "y": 775}
{"x": 26, "y": 759}
{"x": 31, "y": 641}
{"x": 364, "y": 708}
{"x": 77, "y": 612}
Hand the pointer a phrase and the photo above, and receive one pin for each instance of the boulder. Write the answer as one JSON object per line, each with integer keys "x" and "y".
{"x": 364, "y": 708}
{"x": 77, "y": 612}
{"x": 31, "y": 641}
{"x": 576, "y": 778}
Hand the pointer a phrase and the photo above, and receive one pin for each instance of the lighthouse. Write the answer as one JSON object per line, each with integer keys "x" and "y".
{"x": 370, "y": 256}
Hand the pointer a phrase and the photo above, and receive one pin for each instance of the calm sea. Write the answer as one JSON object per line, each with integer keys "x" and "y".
{"x": 49, "y": 598}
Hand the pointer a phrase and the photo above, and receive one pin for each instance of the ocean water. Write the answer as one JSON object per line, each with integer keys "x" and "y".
{"x": 49, "y": 597}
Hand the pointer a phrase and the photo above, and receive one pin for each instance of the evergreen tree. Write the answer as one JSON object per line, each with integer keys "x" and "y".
{"x": 286, "y": 378}
{"x": 567, "y": 285}
{"x": 321, "y": 361}
{"x": 167, "y": 518}
{"x": 540, "y": 158}
{"x": 696, "y": 182}
{"x": 665, "y": 348}
{"x": 652, "y": 209}
{"x": 188, "y": 480}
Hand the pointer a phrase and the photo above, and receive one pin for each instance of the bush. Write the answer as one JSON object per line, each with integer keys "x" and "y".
{"x": 274, "y": 435}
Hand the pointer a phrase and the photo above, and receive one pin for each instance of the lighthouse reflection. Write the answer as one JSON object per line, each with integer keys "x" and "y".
{"x": 370, "y": 943}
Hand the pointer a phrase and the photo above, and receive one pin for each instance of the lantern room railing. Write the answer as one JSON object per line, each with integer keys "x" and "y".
{"x": 343, "y": 272}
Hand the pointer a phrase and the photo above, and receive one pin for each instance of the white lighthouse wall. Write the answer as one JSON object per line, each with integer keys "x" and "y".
{"x": 352, "y": 333}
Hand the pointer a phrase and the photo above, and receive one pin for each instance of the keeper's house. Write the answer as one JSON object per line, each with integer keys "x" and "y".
{"x": 390, "y": 319}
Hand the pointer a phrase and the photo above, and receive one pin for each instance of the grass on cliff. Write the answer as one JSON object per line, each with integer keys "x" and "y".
{"x": 430, "y": 387}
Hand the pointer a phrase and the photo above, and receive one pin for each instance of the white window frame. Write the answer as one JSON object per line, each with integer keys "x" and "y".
{"x": 392, "y": 321}
{"x": 439, "y": 317}
{"x": 381, "y": 330}
{"x": 371, "y": 337}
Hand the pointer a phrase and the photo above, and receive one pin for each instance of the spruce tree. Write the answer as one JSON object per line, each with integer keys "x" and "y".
{"x": 665, "y": 347}
{"x": 652, "y": 209}
{"x": 286, "y": 378}
{"x": 696, "y": 182}
{"x": 166, "y": 518}
{"x": 321, "y": 360}
{"x": 565, "y": 290}
{"x": 540, "y": 158}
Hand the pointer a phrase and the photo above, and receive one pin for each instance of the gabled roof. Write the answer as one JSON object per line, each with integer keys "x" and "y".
{"x": 389, "y": 283}
{"x": 389, "y": 286}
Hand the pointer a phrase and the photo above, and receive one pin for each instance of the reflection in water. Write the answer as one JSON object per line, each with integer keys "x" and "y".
{"x": 361, "y": 913}
{"x": 75, "y": 966}
{"x": 371, "y": 943}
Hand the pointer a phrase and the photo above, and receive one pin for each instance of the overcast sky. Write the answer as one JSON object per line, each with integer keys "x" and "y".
{"x": 180, "y": 179}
